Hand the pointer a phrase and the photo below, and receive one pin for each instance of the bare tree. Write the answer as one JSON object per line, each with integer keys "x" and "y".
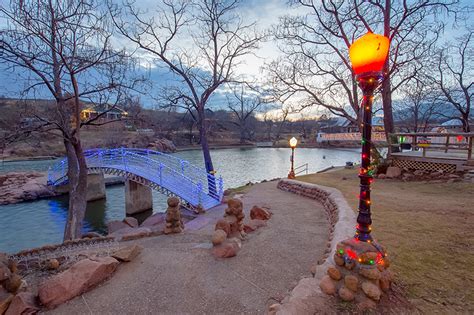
{"x": 219, "y": 40}
{"x": 419, "y": 106}
{"x": 315, "y": 64}
{"x": 281, "y": 119}
{"x": 455, "y": 65}
{"x": 64, "y": 49}
{"x": 268, "y": 123}
{"x": 243, "y": 106}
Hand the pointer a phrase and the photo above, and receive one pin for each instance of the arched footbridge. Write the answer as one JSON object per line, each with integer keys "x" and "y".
{"x": 159, "y": 171}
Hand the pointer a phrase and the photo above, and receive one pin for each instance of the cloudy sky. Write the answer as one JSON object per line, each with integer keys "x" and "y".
{"x": 264, "y": 12}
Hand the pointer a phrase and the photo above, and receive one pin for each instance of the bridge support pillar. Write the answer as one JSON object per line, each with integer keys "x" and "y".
{"x": 138, "y": 198}
{"x": 95, "y": 187}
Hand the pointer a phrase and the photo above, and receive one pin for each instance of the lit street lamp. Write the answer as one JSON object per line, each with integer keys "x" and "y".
{"x": 293, "y": 143}
{"x": 368, "y": 55}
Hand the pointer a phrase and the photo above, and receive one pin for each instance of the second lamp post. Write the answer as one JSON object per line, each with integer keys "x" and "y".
{"x": 293, "y": 143}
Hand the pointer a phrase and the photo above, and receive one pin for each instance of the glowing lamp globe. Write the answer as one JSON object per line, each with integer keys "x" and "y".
{"x": 368, "y": 53}
{"x": 293, "y": 142}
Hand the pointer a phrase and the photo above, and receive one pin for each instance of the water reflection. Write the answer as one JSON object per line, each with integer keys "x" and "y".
{"x": 95, "y": 217}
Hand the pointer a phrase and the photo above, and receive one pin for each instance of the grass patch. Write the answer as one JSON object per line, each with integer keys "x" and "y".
{"x": 427, "y": 230}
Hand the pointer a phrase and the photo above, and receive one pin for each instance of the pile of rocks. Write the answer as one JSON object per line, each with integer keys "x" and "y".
{"x": 174, "y": 223}
{"x": 438, "y": 176}
{"x": 156, "y": 224}
{"x": 13, "y": 296}
{"x": 231, "y": 230}
{"x": 360, "y": 273}
{"x": 162, "y": 145}
{"x": 128, "y": 229}
{"x": 22, "y": 186}
{"x": 258, "y": 218}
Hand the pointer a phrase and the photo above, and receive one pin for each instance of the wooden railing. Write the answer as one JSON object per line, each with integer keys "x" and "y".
{"x": 427, "y": 141}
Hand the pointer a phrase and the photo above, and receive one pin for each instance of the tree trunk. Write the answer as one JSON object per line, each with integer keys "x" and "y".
{"x": 465, "y": 123}
{"x": 206, "y": 152}
{"x": 191, "y": 134}
{"x": 243, "y": 131}
{"x": 204, "y": 143}
{"x": 388, "y": 113}
{"x": 77, "y": 177}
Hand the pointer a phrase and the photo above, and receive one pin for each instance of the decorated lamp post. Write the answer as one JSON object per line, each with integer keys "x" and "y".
{"x": 359, "y": 270}
{"x": 293, "y": 143}
{"x": 368, "y": 55}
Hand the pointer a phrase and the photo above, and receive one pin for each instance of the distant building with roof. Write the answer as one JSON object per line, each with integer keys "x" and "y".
{"x": 338, "y": 125}
{"x": 106, "y": 111}
{"x": 452, "y": 125}
{"x": 344, "y": 125}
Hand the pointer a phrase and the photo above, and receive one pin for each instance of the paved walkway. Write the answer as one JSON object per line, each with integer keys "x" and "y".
{"x": 178, "y": 275}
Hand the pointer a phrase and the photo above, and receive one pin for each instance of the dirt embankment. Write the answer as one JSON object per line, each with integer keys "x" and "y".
{"x": 47, "y": 145}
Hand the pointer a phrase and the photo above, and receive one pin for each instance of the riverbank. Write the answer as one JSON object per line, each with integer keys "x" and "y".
{"x": 216, "y": 147}
{"x": 18, "y": 187}
{"x": 24, "y": 186}
{"x": 426, "y": 228}
{"x": 27, "y": 158}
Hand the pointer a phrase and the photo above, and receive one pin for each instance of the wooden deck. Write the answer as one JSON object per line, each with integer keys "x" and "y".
{"x": 447, "y": 152}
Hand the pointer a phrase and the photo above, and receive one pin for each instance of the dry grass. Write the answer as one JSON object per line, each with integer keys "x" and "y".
{"x": 428, "y": 231}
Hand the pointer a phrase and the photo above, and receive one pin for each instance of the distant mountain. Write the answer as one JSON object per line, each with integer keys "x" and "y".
{"x": 440, "y": 111}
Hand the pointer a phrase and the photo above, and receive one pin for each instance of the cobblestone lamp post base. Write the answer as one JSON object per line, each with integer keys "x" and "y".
{"x": 360, "y": 273}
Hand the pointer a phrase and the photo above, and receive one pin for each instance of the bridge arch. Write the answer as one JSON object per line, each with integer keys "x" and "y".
{"x": 162, "y": 172}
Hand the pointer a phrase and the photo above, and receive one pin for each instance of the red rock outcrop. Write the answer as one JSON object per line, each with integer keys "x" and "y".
{"x": 79, "y": 278}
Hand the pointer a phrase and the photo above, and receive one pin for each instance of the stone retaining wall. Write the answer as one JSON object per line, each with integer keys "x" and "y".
{"x": 36, "y": 258}
{"x": 307, "y": 296}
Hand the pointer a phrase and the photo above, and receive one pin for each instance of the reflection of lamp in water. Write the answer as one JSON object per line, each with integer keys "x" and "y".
{"x": 293, "y": 143}
{"x": 368, "y": 55}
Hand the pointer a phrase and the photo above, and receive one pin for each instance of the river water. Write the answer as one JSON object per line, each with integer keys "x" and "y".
{"x": 41, "y": 222}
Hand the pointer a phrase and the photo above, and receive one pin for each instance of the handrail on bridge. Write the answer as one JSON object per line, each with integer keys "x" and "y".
{"x": 458, "y": 141}
{"x": 178, "y": 176}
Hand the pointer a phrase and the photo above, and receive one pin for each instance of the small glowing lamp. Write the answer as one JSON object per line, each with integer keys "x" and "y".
{"x": 368, "y": 53}
{"x": 293, "y": 142}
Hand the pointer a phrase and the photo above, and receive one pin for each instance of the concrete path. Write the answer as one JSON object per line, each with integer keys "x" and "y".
{"x": 178, "y": 275}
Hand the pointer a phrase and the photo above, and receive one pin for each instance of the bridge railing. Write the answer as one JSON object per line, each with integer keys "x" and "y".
{"x": 165, "y": 170}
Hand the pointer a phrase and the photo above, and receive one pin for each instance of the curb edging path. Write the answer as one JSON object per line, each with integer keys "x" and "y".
{"x": 307, "y": 297}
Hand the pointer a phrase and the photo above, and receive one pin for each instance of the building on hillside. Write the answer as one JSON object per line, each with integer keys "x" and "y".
{"x": 106, "y": 111}
{"x": 452, "y": 125}
{"x": 338, "y": 125}
{"x": 344, "y": 125}
{"x": 342, "y": 129}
